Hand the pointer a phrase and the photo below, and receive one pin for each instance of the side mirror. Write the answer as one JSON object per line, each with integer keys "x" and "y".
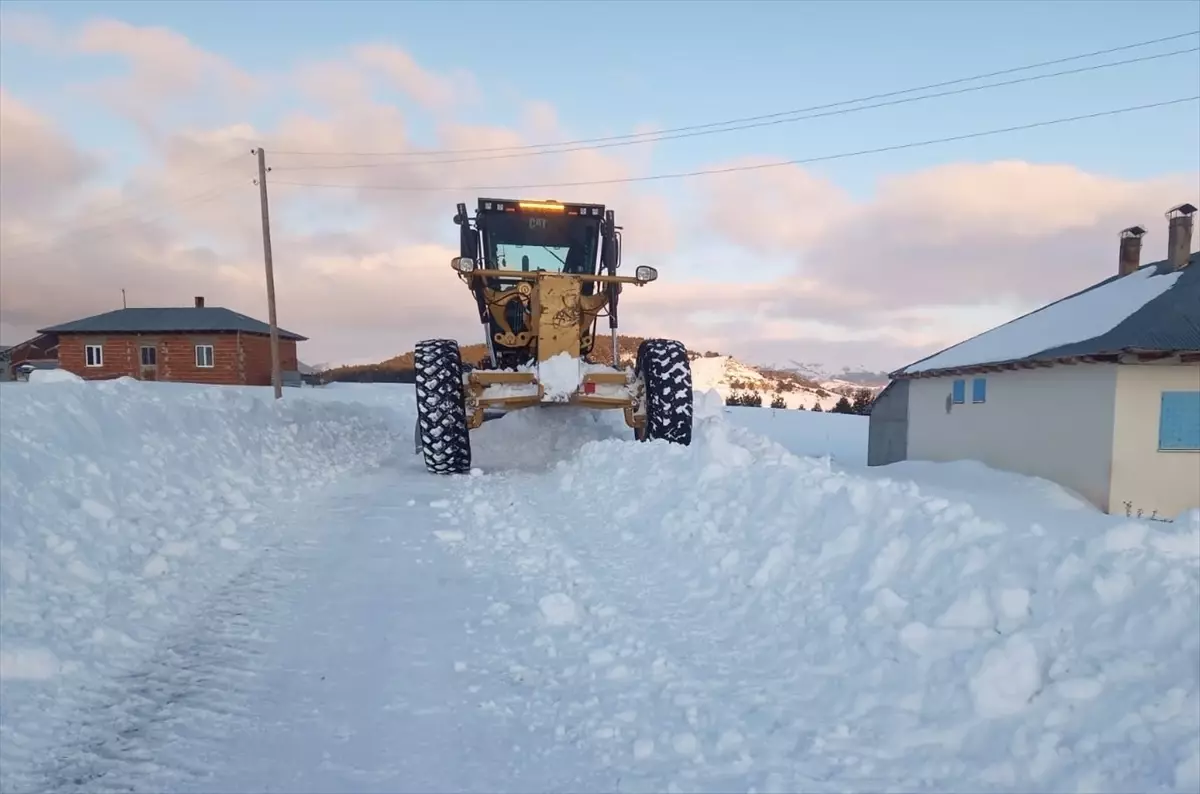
{"x": 463, "y": 264}
{"x": 645, "y": 273}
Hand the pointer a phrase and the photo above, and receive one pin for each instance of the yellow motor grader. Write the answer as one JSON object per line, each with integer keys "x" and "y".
{"x": 542, "y": 274}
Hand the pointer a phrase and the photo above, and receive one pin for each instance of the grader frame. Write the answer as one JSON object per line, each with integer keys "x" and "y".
{"x": 540, "y": 323}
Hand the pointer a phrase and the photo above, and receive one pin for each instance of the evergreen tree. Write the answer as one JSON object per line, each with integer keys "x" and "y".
{"x": 778, "y": 402}
{"x": 817, "y": 407}
{"x": 843, "y": 406}
{"x": 862, "y": 402}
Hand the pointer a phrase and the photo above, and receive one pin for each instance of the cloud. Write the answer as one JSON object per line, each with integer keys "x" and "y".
{"x": 353, "y": 262}
{"x": 433, "y": 91}
{"x": 40, "y": 165}
{"x": 772, "y": 209}
{"x": 163, "y": 65}
{"x": 999, "y": 238}
{"x": 362, "y": 264}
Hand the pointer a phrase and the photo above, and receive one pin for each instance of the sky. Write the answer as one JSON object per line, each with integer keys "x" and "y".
{"x": 126, "y": 130}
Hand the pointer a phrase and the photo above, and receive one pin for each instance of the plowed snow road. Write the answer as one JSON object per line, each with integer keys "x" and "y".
{"x": 346, "y": 663}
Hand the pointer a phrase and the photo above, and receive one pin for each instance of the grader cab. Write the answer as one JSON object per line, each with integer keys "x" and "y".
{"x": 542, "y": 274}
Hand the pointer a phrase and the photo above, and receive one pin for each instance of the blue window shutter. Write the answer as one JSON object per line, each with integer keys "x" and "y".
{"x": 1179, "y": 420}
{"x": 979, "y": 390}
{"x": 959, "y": 391}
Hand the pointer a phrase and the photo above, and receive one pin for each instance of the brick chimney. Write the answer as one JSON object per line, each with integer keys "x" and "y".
{"x": 1179, "y": 235}
{"x": 199, "y": 301}
{"x": 1131, "y": 250}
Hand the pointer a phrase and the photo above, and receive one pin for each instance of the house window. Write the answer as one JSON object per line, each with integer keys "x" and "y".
{"x": 1179, "y": 421}
{"x": 204, "y": 356}
{"x": 958, "y": 392}
{"x": 94, "y": 355}
{"x": 979, "y": 390}
{"x": 149, "y": 356}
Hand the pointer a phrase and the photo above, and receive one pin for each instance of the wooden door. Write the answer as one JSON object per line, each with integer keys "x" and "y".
{"x": 149, "y": 362}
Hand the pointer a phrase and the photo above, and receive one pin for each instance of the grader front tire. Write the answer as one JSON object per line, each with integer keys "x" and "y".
{"x": 442, "y": 431}
{"x": 666, "y": 373}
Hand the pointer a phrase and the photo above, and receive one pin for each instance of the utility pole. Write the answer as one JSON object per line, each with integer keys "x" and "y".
{"x": 276, "y": 377}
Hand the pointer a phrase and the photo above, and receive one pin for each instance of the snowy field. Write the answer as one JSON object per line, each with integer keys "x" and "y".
{"x": 205, "y": 590}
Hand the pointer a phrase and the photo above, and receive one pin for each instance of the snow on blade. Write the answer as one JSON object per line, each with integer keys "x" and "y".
{"x": 122, "y": 504}
{"x": 559, "y": 376}
{"x": 1082, "y": 317}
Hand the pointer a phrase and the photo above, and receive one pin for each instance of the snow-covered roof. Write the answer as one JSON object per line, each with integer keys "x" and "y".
{"x": 1153, "y": 309}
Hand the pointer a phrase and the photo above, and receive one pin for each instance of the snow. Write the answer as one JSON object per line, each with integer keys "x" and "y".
{"x": 207, "y": 590}
{"x": 722, "y": 372}
{"x": 559, "y": 376}
{"x": 1083, "y": 317}
{"x": 123, "y": 504}
{"x": 53, "y": 376}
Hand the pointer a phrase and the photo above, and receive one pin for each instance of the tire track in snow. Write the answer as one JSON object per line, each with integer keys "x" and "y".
{"x": 193, "y": 690}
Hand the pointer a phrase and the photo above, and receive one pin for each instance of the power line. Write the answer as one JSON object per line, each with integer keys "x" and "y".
{"x": 772, "y": 122}
{"x": 747, "y": 119}
{"x": 757, "y": 167}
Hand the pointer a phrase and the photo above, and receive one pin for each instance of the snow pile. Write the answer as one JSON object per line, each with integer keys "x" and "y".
{"x": 842, "y": 437}
{"x": 732, "y": 617}
{"x": 1077, "y": 319}
{"x": 559, "y": 376}
{"x": 54, "y": 376}
{"x": 123, "y": 503}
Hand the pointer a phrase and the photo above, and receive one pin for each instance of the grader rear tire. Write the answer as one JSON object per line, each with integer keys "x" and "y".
{"x": 442, "y": 432}
{"x": 666, "y": 371}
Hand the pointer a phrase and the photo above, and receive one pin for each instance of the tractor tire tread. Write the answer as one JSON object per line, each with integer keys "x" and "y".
{"x": 666, "y": 372}
{"x": 445, "y": 438}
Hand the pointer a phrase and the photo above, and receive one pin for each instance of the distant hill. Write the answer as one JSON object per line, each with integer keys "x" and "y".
{"x": 710, "y": 370}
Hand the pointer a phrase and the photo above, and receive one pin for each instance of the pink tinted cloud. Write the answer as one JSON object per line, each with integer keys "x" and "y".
{"x": 186, "y": 223}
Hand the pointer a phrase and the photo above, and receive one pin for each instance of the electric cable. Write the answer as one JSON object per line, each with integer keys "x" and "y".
{"x": 754, "y": 167}
{"x": 746, "y": 119}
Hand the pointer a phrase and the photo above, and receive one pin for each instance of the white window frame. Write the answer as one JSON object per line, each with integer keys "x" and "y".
{"x": 211, "y": 357}
{"x": 93, "y": 359}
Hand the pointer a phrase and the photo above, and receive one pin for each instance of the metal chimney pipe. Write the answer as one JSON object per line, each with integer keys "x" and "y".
{"x": 1179, "y": 235}
{"x": 199, "y": 301}
{"x": 1131, "y": 250}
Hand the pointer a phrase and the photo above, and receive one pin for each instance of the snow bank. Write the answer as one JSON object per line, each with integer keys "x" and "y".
{"x": 842, "y": 437}
{"x": 729, "y": 616}
{"x": 54, "y": 376}
{"x": 123, "y": 503}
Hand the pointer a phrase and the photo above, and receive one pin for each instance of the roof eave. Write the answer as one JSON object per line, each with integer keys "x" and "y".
{"x": 1040, "y": 362}
{"x": 84, "y": 332}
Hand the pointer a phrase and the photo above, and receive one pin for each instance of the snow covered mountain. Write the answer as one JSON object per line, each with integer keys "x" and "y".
{"x": 729, "y": 376}
{"x": 800, "y": 387}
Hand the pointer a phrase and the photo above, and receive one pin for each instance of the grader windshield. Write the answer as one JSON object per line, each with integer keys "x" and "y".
{"x": 536, "y": 235}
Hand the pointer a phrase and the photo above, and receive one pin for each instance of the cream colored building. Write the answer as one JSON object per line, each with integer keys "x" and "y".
{"x": 1099, "y": 391}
